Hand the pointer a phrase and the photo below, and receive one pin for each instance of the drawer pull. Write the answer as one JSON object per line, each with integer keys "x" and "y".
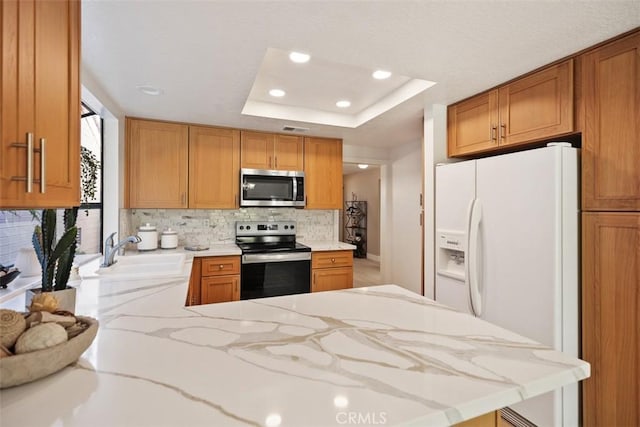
{"x": 333, "y": 260}
{"x": 221, "y": 266}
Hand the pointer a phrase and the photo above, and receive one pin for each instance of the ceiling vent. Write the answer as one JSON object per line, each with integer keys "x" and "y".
{"x": 294, "y": 129}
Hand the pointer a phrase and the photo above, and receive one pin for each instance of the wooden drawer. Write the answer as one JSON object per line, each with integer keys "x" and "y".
{"x": 220, "y": 265}
{"x": 332, "y": 259}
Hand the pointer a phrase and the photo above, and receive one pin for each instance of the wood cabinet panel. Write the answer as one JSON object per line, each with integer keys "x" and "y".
{"x": 331, "y": 279}
{"x": 256, "y": 150}
{"x": 611, "y": 137}
{"x": 214, "y": 167}
{"x": 220, "y": 265}
{"x": 538, "y": 106}
{"x": 260, "y": 150}
{"x": 220, "y": 289}
{"x": 157, "y": 154}
{"x": 492, "y": 419}
{"x": 288, "y": 151}
{"x": 193, "y": 294}
{"x": 331, "y": 259}
{"x": 611, "y": 318}
{"x": 472, "y": 125}
{"x": 40, "y": 97}
{"x": 323, "y": 173}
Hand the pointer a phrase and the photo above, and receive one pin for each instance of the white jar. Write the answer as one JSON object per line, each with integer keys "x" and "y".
{"x": 169, "y": 239}
{"x": 27, "y": 262}
{"x": 149, "y": 237}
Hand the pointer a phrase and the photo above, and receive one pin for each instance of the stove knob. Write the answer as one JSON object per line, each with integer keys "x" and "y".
{"x": 242, "y": 227}
{"x": 286, "y": 227}
{"x": 292, "y": 227}
{"x": 248, "y": 227}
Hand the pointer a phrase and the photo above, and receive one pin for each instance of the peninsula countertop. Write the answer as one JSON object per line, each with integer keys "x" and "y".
{"x": 382, "y": 353}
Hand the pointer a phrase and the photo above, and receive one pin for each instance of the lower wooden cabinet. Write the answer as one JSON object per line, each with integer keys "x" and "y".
{"x": 611, "y": 318}
{"x": 492, "y": 419}
{"x": 331, "y": 270}
{"x": 214, "y": 279}
{"x": 219, "y": 289}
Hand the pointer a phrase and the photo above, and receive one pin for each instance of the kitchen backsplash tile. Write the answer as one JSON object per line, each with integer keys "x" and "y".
{"x": 206, "y": 227}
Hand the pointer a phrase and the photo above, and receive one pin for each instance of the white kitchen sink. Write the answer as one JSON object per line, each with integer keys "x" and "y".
{"x": 147, "y": 265}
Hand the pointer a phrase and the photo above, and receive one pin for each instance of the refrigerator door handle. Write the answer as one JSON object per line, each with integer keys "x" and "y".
{"x": 475, "y": 296}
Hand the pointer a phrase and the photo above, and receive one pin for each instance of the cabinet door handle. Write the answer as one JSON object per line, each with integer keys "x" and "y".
{"x": 269, "y": 162}
{"x": 494, "y": 133}
{"x": 276, "y": 162}
{"x": 43, "y": 165}
{"x": 503, "y": 131}
{"x": 29, "y": 177}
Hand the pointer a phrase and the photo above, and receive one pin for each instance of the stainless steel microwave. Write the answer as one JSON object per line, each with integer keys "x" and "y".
{"x": 269, "y": 188}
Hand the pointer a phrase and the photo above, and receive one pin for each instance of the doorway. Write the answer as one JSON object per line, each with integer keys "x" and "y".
{"x": 360, "y": 220}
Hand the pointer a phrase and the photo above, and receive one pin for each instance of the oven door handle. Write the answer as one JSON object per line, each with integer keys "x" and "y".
{"x": 261, "y": 258}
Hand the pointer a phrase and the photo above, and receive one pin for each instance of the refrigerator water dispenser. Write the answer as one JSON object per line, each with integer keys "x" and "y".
{"x": 452, "y": 249}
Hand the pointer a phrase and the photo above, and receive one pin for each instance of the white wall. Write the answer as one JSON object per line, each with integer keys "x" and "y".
{"x": 403, "y": 222}
{"x": 434, "y": 151}
{"x": 113, "y": 149}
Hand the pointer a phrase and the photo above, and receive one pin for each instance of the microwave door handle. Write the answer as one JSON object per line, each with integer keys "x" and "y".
{"x": 295, "y": 189}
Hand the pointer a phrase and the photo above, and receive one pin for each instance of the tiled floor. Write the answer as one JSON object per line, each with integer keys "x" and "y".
{"x": 365, "y": 272}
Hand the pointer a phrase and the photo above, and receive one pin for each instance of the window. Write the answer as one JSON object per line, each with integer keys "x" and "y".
{"x": 90, "y": 215}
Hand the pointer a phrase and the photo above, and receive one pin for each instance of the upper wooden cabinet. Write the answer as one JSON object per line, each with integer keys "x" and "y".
{"x": 157, "y": 161}
{"x": 323, "y": 173}
{"x": 472, "y": 124}
{"x": 261, "y": 150}
{"x": 173, "y": 165}
{"x": 533, "y": 108}
{"x": 214, "y": 167}
{"x": 40, "y": 110}
{"x": 611, "y": 136}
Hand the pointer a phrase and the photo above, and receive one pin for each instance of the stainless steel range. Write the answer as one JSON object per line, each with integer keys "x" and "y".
{"x": 273, "y": 263}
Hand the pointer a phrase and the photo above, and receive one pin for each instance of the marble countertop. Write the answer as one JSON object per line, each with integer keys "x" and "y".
{"x": 381, "y": 353}
{"x": 221, "y": 249}
{"x": 327, "y": 245}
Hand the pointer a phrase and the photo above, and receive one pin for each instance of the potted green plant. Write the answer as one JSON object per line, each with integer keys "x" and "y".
{"x": 56, "y": 257}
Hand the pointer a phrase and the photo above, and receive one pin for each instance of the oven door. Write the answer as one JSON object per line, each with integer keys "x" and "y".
{"x": 270, "y": 275}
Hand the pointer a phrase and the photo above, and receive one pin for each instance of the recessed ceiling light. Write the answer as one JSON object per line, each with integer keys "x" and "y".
{"x": 273, "y": 420}
{"x": 149, "y": 90}
{"x": 299, "y": 57}
{"x": 381, "y": 74}
{"x": 278, "y": 93}
{"x": 343, "y": 103}
{"x": 363, "y": 165}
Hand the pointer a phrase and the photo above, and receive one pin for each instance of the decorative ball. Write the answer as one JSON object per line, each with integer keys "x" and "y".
{"x": 12, "y": 324}
{"x": 39, "y": 337}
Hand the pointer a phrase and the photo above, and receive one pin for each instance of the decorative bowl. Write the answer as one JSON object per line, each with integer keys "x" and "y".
{"x": 8, "y": 278}
{"x": 27, "y": 367}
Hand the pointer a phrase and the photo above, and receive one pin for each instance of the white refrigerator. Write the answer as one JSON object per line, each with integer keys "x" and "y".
{"x": 507, "y": 251}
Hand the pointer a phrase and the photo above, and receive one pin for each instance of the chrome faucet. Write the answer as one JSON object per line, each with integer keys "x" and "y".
{"x": 110, "y": 250}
